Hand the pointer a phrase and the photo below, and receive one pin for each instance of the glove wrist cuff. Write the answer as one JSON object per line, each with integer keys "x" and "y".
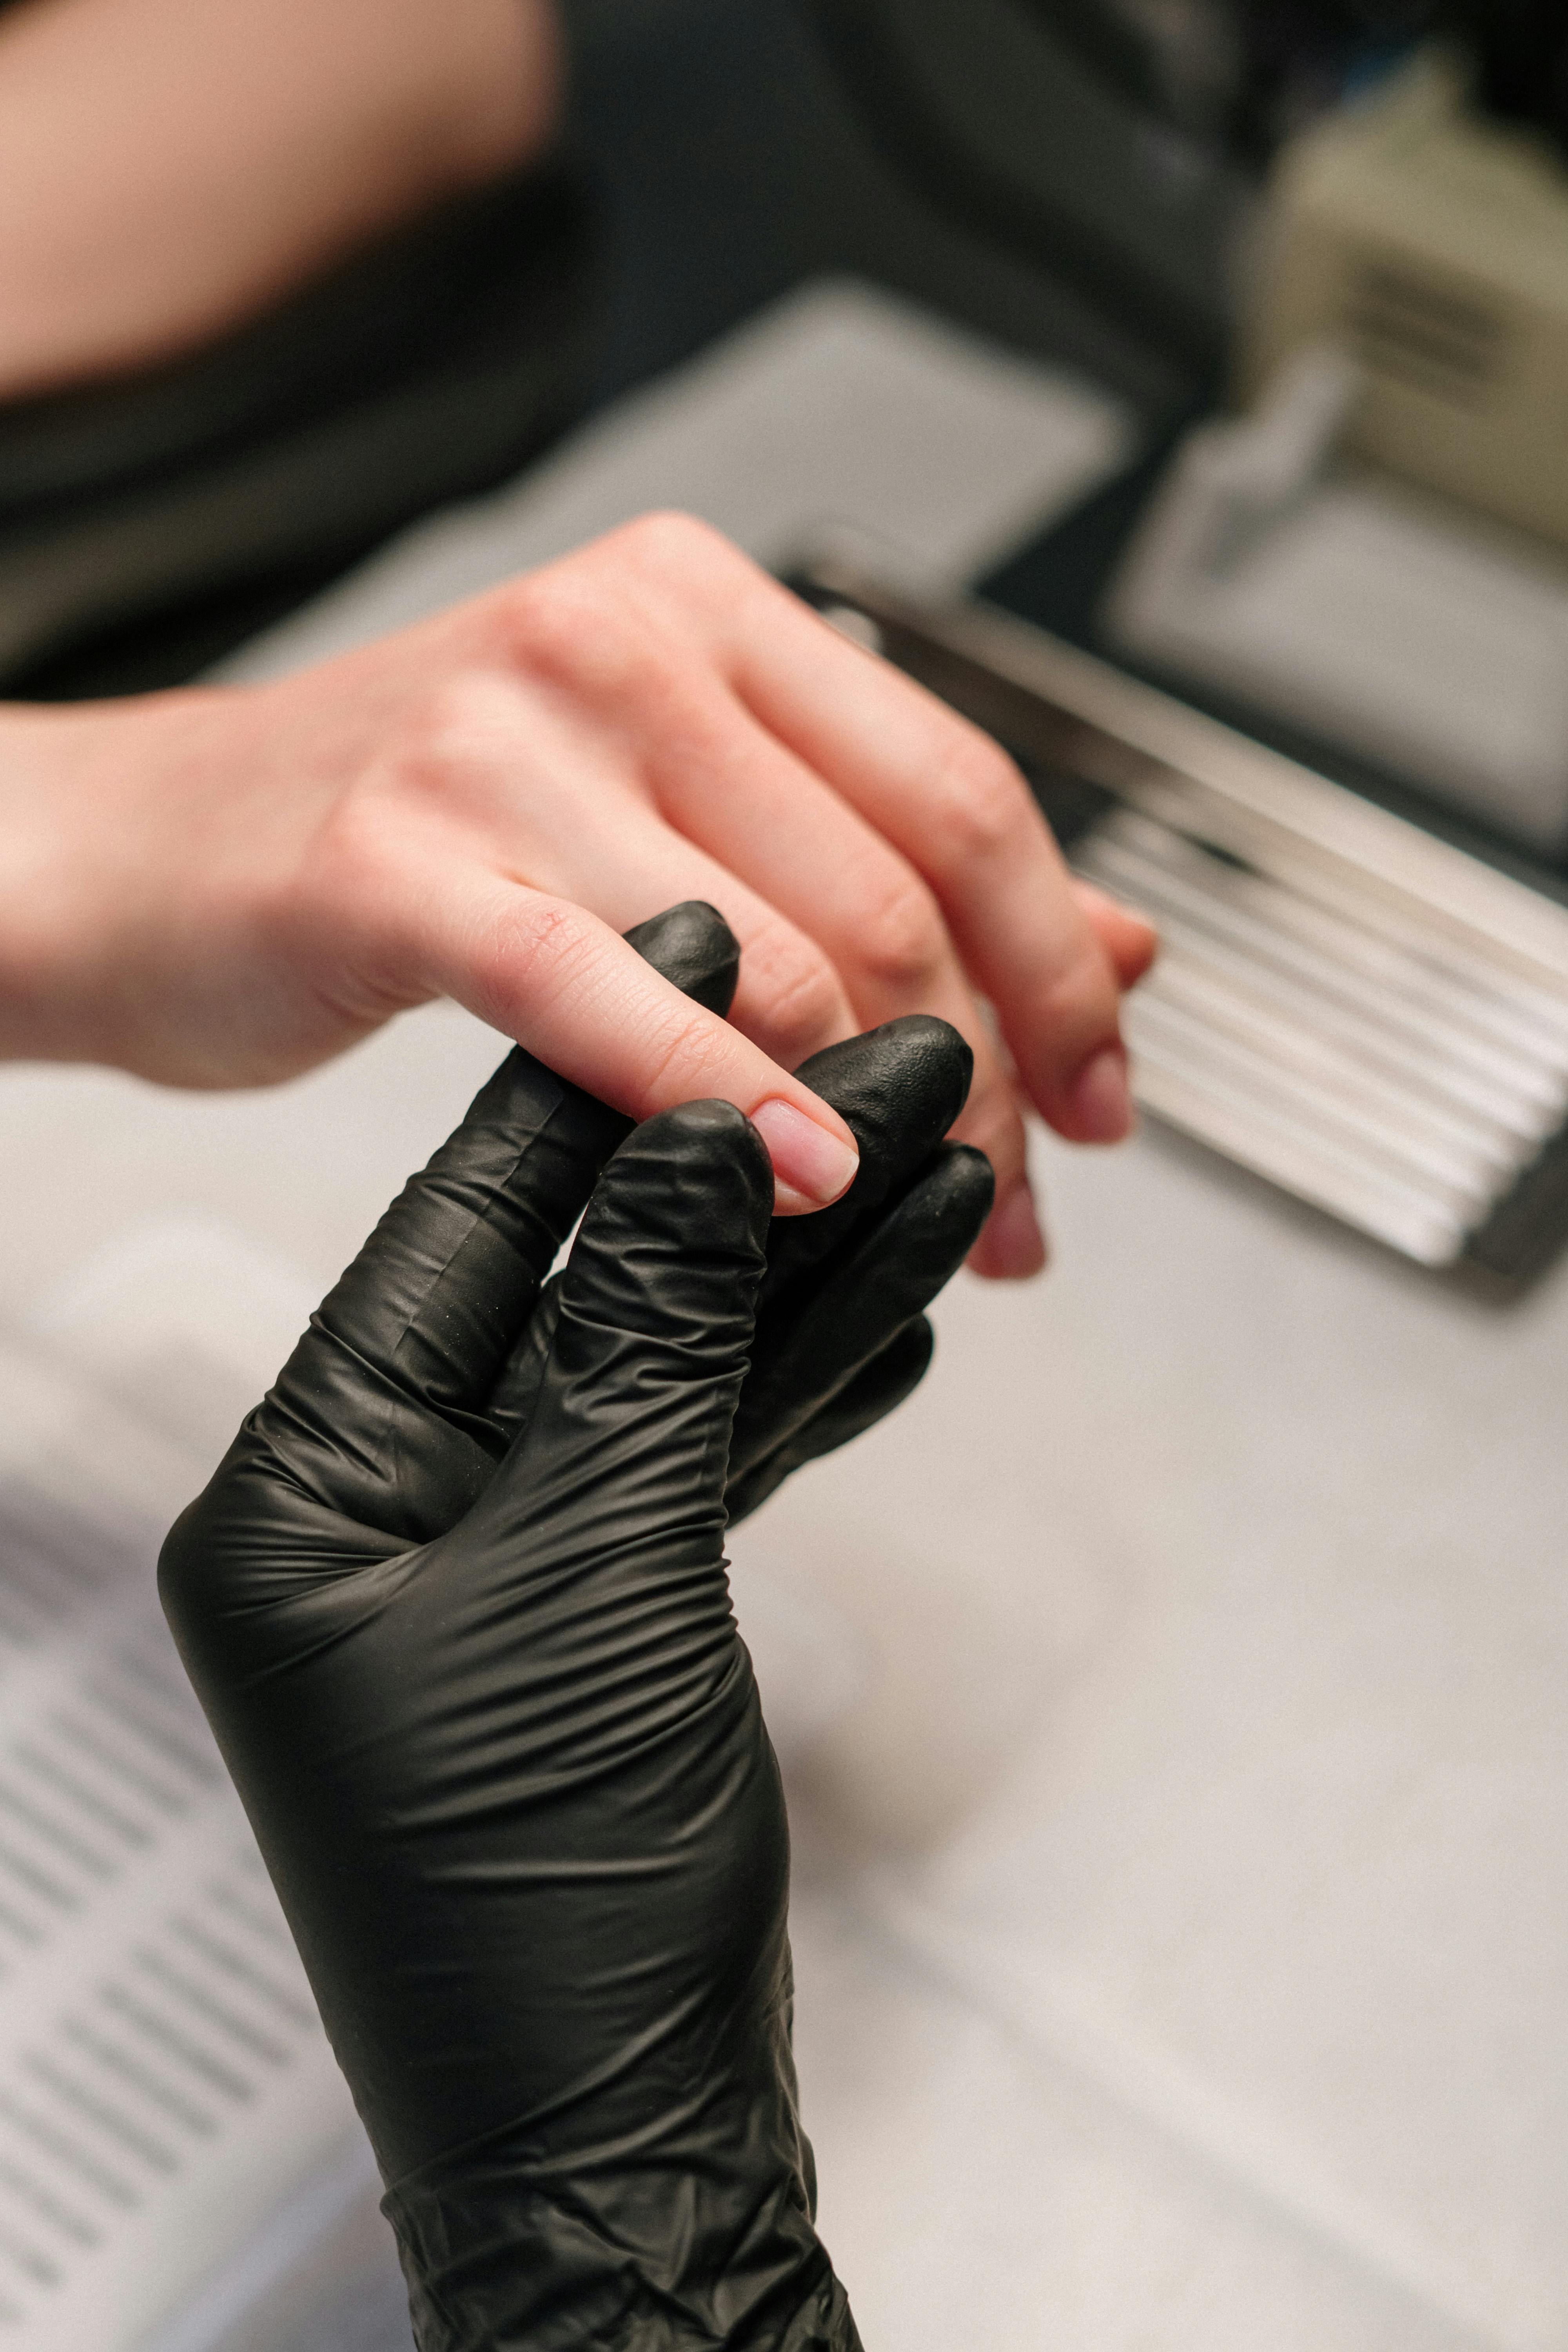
{"x": 497, "y": 2261}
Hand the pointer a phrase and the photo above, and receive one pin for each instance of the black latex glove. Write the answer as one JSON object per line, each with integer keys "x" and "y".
{"x": 494, "y": 1726}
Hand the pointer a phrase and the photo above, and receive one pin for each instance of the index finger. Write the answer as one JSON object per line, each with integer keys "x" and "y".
{"x": 392, "y": 1379}
{"x": 585, "y": 1004}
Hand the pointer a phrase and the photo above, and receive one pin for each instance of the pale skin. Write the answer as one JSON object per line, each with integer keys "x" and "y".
{"x": 170, "y": 167}
{"x": 223, "y": 887}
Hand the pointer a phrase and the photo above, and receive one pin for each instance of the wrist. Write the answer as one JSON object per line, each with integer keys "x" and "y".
{"x": 501, "y": 2257}
{"x": 107, "y": 840}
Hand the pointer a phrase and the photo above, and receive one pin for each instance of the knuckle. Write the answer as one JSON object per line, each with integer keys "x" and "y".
{"x": 557, "y": 623}
{"x": 569, "y": 631}
{"x": 443, "y": 733}
{"x": 668, "y": 541}
{"x": 795, "y": 994}
{"x": 982, "y": 801}
{"x": 350, "y": 854}
{"x": 347, "y": 839}
{"x": 537, "y": 606}
{"x": 540, "y": 950}
{"x": 447, "y": 723}
{"x": 449, "y": 747}
{"x": 1080, "y": 994}
{"x": 902, "y": 940}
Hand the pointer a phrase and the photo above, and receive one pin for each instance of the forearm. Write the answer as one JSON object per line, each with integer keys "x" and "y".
{"x": 168, "y": 167}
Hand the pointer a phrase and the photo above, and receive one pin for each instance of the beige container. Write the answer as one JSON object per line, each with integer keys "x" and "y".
{"x": 1434, "y": 245}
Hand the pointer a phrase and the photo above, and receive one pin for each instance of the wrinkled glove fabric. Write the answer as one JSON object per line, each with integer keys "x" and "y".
{"x": 456, "y": 1604}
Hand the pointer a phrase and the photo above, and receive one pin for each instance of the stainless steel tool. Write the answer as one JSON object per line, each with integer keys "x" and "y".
{"x": 1365, "y": 1015}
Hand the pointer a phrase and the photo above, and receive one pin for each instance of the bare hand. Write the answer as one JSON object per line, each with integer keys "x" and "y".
{"x": 224, "y": 886}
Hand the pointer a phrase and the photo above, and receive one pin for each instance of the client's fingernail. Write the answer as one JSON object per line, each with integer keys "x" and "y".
{"x": 811, "y": 1166}
{"x": 1101, "y": 1103}
{"x": 1012, "y": 1246}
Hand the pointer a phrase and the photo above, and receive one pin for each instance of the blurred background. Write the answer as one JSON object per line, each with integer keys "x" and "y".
{"x": 1176, "y": 198}
{"x": 1084, "y": 179}
{"x": 1171, "y": 1696}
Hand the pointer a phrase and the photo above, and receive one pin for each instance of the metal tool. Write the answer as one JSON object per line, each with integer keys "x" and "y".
{"x": 1365, "y": 1015}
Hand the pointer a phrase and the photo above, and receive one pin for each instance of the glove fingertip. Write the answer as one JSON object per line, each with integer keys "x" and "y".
{"x": 633, "y": 1412}
{"x": 676, "y": 1231}
{"x": 899, "y": 1089}
{"x": 964, "y": 1182}
{"x": 708, "y": 1160}
{"x": 694, "y": 948}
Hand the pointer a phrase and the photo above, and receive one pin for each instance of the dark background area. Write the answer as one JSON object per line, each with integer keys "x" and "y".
{"x": 719, "y": 152}
{"x": 1074, "y": 178}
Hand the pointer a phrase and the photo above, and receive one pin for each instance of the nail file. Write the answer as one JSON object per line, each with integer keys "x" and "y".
{"x": 1363, "y": 1015}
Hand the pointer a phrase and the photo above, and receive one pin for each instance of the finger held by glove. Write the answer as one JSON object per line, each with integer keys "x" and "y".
{"x": 408, "y": 1346}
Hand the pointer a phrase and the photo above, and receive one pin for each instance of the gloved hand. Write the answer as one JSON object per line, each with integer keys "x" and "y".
{"x": 456, "y": 1605}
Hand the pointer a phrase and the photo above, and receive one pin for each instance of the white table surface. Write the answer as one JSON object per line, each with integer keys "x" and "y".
{"x": 1171, "y": 1696}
